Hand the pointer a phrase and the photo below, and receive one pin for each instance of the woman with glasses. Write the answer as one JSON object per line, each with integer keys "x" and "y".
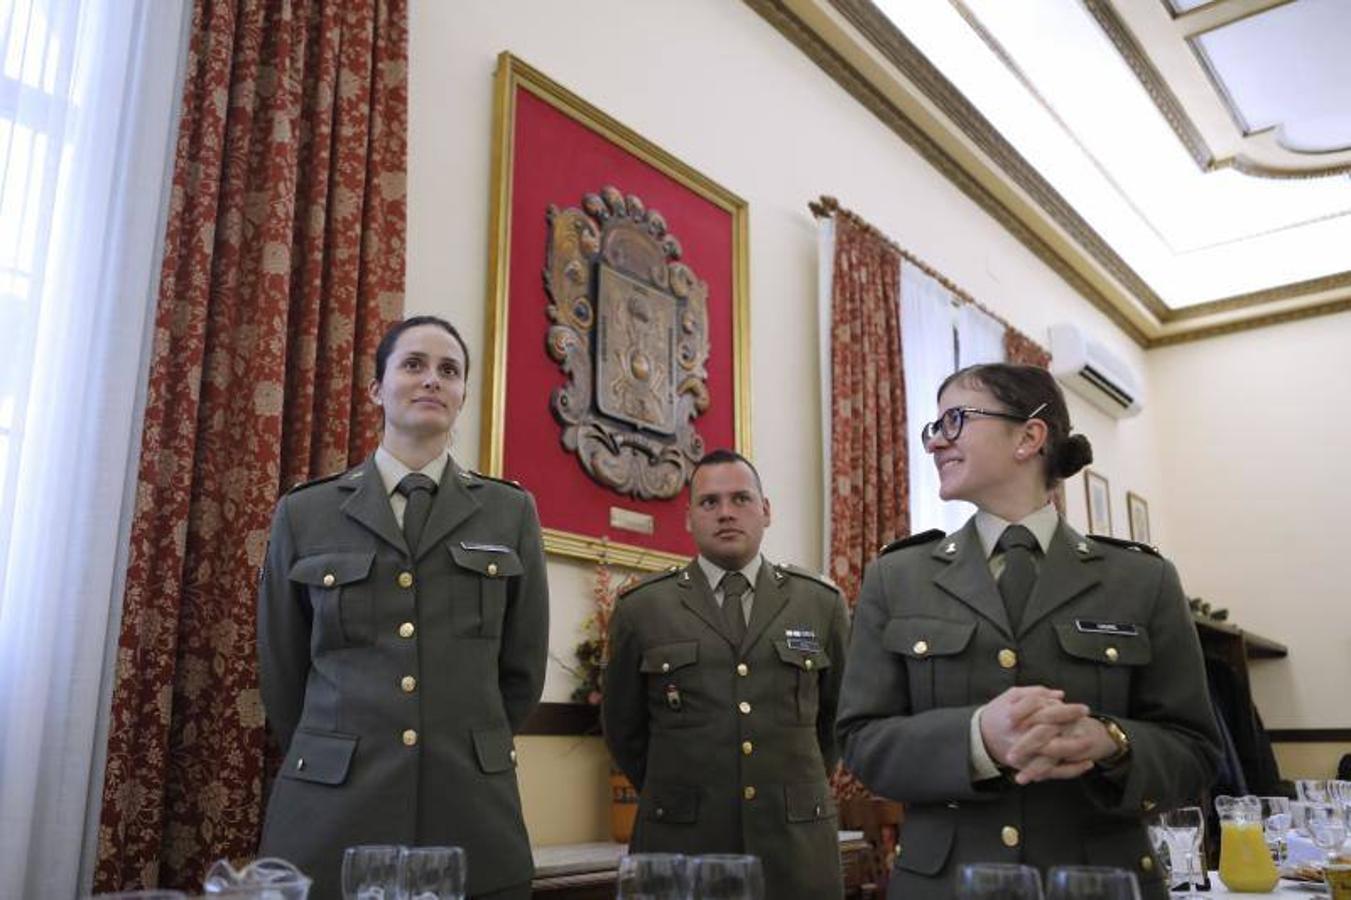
{"x": 1028, "y": 692}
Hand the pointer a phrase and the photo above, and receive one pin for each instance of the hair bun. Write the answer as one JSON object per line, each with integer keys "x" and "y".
{"x": 1073, "y": 454}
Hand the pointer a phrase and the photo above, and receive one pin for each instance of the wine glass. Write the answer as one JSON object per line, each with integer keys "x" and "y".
{"x": 431, "y": 873}
{"x": 998, "y": 881}
{"x": 654, "y": 876}
{"x": 1327, "y": 827}
{"x": 1158, "y": 841}
{"x": 1091, "y": 883}
{"x": 1312, "y": 790}
{"x": 1276, "y": 825}
{"x": 726, "y": 877}
{"x": 371, "y": 872}
{"x": 1186, "y": 831}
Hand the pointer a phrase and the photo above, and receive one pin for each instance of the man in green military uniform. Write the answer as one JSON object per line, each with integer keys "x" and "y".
{"x": 720, "y": 695}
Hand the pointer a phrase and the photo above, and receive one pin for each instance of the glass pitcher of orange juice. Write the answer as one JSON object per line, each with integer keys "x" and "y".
{"x": 1246, "y": 866}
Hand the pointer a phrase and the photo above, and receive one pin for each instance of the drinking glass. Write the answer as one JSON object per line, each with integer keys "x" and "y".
{"x": 371, "y": 872}
{"x": 998, "y": 881}
{"x": 726, "y": 877}
{"x": 1276, "y": 826}
{"x": 1299, "y": 815}
{"x": 1091, "y": 883}
{"x": 654, "y": 876}
{"x": 1186, "y": 830}
{"x": 1158, "y": 840}
{"x": 431, "y": 873}
{"x": 1327, "y": 827}
{"x": 1312, "y": 790}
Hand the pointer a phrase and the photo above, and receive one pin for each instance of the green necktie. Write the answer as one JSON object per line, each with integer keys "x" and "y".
{"x": 418, "y": 489}
{"x": 1020, "y": 571}
{"x": 734, "y": 587}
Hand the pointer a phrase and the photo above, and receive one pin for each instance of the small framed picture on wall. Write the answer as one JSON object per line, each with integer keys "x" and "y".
{"x": 1099, "y": 503}
{"x": 1137, "y": 512}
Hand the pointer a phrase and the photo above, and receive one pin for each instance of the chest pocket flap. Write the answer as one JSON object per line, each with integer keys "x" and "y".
{"x": 1109, "y": 649}
{"x": 802, "y": 659}
{"x": 920, "y": 637}
{"x": 498, "y": 562}
{"x": 669, "y": 657}
{"x": 332, "y": 569}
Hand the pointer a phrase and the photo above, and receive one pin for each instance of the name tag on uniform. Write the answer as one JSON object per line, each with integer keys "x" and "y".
{"x": 486, "y": 548}
{"x": 1117, "y": 628}
{"x": 803, "y": 639}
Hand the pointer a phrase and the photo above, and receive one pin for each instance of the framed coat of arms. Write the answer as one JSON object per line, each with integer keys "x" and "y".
{"x": 618, "y": 324}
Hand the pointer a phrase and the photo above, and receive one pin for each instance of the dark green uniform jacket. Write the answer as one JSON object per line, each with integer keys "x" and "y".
{"x": 395, "y": 685}
{"x": 1106, "y": 623}
{"x": 729, "y": 745}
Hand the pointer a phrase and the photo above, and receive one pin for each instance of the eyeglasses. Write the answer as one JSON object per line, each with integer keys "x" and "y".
{"x": 951, "y": 422}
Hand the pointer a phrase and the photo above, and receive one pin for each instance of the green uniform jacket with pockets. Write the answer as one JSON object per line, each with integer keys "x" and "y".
{"x": 1106, "y": 623}
{"x": 730, "y": 746}
{"x": 395, "y": 684}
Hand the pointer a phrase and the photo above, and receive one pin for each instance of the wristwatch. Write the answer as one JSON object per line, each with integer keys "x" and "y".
{"x": 1123, "y": 743}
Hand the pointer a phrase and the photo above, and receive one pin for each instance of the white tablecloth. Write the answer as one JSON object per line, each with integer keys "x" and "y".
{"x": 1284, "y": 889}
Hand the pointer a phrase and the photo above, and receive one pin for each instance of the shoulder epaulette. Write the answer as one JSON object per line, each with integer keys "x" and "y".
{"x": 1125, "y": 544}
{"x": 924, "y": 537}
{"x": 808, "y": 574}
{"x": 648, "y": 579}
{"x": 470, "y": 473}
{"x": 322, "y": 479}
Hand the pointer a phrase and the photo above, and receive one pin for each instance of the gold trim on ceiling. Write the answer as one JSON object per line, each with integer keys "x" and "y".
{"x": 1126, "y": 293}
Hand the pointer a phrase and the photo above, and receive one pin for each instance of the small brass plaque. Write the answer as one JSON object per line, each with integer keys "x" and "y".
{"x": 631, "y": 520}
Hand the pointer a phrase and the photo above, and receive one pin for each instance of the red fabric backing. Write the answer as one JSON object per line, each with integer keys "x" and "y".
{"x": 558, "y": 160}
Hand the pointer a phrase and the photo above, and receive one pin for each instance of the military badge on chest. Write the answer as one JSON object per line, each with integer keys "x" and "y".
{"x": 803, "y": 639}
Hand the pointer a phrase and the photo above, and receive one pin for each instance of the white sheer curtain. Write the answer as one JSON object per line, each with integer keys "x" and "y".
{"x": 980, "y": 337}
{"x": 825, "y": 286}
{"x": 929, "y": 342}
{"x": 87, "y": 118}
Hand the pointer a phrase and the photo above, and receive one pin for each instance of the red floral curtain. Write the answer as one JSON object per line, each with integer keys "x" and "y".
{"x": 1019, "y": 349}
{"x": 283, "y": 266}
{"x": 870, "y": 485}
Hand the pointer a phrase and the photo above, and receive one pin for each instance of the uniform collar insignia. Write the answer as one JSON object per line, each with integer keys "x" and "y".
{"x": 951, "y": 548}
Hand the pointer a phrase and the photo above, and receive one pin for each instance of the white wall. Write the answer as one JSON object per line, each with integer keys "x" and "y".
{"x": 1256, "y": 444}
{"x": 715, "y": 85}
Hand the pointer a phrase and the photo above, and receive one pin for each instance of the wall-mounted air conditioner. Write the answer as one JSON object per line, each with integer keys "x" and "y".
{"x": 1095, "y": 373}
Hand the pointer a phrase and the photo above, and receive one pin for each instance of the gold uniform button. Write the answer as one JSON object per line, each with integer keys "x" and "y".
{"x": 492, "y": 569}
{"x": 512, "y": 755}
{"x": 409, "y": 737}
{"x": 300, "y": 764}
{"x": 1007, "y": 658}
{"x": 743, "y": 670}
{"x": 747, "y": 748}
{"x": 666, "y": 667}
{"x": 1147, "y": 805}
{"x": 405, "y": 579}
{"x": 1146, "y": 864}
{"x": 744, "y": 707}
{"x": 920, "y": 648}
{"x": 1111, "y": 654}
{"x": 329, "y": 580}
{"x": 748, "y": 792}
{"x": 408, "y": 683}
{"x": 406, "y": 630}
{"x": 1010, "y": 836}
{"x": 807, "y": 664}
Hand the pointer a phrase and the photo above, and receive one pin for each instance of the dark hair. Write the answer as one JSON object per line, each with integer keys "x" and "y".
{"x": 722, "y": 457}
{"x": 1022, "y": 389}
{"x": 386, "y": 346}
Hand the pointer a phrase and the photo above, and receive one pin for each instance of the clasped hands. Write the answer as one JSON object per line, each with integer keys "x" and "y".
{"x": 1033, "y": 731}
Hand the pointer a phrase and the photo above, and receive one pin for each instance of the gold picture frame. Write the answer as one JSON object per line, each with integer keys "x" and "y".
{"x": 515, "y": 80}
{"x": 1137, "y": 515}
{"x": 1098, "y": 499}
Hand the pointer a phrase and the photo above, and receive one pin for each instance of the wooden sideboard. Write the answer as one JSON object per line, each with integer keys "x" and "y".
{"x": 587, "y": 871}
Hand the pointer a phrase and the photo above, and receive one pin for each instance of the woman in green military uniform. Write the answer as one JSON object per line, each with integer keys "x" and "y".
{"x": 1029, "y": 693}
{"x": 402, "y": 639}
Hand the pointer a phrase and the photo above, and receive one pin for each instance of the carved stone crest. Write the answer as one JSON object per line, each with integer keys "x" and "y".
{"x": 631, "y": 333}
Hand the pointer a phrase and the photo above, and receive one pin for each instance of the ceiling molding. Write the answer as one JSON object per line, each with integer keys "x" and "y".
{"x": 863, "y": 52}
{"x": 1229, "y": 142}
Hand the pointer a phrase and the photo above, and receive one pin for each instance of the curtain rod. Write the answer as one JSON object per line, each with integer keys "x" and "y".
{"x": 828, "y": 207}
